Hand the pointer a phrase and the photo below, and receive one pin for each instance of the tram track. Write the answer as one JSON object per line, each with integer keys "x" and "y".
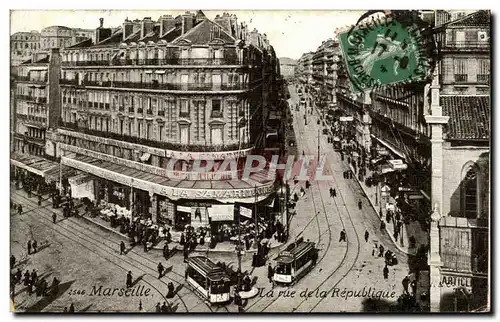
{"x": 316, "y": 213}
{"x": 345, "y": 258}
{"x": 89, "y": 239}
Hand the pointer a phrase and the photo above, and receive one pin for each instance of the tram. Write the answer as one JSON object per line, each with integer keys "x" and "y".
{"x": 295, "y": 261}
{"x": 209, "y": 280}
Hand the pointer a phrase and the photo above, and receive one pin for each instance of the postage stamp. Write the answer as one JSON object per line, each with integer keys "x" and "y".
{"x": 386, "y": 50}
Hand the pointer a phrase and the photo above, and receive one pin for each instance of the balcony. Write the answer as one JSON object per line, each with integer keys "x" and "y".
{"x": 140, "y": 110}
{"x": 461, "y": 78}
{"x": 149, "y": 111}
{"x": 159, "y": 62}
{"x": 216, "y": 114}
{"x": 31, "y": 80}
{"x": 121, "y": 109}
{"x": 161, "y": 113}
{"x": 32, "y": 99}
{"x": 170, "y": 86}
{"x": 468, "y": 45}
{"x": 68, "y": 81}
{"x": 131, "y": 110}
{"x": 483, "y": 78}
{"x": 155, "y": 144}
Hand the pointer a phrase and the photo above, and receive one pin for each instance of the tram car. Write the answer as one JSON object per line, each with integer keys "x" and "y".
{"x": 295, "y": 261}
{"x": 210, "y": 281}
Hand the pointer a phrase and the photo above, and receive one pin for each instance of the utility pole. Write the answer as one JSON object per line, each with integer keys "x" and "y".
{"x": 238, "y": 249}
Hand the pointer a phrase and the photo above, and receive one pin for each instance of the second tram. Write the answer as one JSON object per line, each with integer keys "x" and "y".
{"x": 295, "y": 262}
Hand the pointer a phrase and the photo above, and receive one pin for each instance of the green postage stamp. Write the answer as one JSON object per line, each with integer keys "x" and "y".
{"x": 384, "y": 51}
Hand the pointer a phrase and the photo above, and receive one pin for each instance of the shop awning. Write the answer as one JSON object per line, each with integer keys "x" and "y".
{"x": 390, "y": 146}
{"x": 34, "y": 164}
{"x": 253, "y": 189}
{"x": 61, "y": 172}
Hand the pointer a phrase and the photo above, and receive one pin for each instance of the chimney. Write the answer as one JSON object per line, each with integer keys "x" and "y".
{"x": 187, "y": 22}
{"x": 167, "y": 22}
{"x": 102, "y": 33}
{"x": 224, "y": 22}
{"x": 146, "y": 26}
{"x": 130, "y": 27}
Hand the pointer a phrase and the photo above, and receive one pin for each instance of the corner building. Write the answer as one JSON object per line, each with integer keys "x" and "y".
{"x": 184, "y": 88}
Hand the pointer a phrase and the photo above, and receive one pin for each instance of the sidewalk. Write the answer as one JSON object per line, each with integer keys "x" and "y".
{"x": 407, "y": 230}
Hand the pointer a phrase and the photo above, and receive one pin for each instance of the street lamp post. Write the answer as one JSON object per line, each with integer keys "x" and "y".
{"x": 318, "y": 145}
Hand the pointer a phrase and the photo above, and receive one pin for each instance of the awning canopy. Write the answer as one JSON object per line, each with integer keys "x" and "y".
{"x": 34, "y": 164}
{"x": 61, "y": 172}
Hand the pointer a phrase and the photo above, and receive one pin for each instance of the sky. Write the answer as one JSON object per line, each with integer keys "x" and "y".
{"x": 290, "y": 32}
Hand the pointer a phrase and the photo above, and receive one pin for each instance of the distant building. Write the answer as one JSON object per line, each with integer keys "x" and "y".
{"x": 287, "y": 67}
{"x": 23, "y": 45}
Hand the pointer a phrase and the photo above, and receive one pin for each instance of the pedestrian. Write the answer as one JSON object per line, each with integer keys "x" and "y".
{"x": 386, "y": 272}
{"x": 34, "y": 277}
{"x": 39, "y": 200}
{"x": 171, "y": 289}
{"x": 375, "y": 250}
{"x": 160, "y": 270}
{"x": 164, "y": 307}
{"x": 54, "y": 217}
{"x": 71, "y": 308}
{"x": 129, "y": 279}
{"x": 360, "y": 205}
{"x": 122, "y": 248}
{"x": 382, "y": 225}
{"x": 166, "y": 251}
{"x": 414, "y": 288}
{"x": 12, "y": 261}
{"x": 145, "y": 244}
{"x": 367, "y": 235}
{"x": 34, "y": 245}
{"x": 65, "y": 309}
{"x": 19, "y": 210}
{"x": 26, "y": 278}
{"x": 342, "y": 236}
{"x": 158, "y": 307}
{"x": 381, "y": 251}
{"x": 405, "y": 283}
{"x": 270, "y": 273}
{"x": 19, "y": 275}
{"x": 331, "y": 192}
{"x": 334, "y": 192}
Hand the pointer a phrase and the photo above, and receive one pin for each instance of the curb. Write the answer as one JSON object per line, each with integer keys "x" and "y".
{"x": 376, "y": 212}
{"x": 201, "y": 250}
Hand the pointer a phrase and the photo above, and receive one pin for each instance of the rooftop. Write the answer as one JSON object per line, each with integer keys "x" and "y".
{"x": 469, "y": 116}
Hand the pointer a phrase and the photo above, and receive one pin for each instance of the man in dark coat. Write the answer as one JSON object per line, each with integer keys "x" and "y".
{"x": 342, "y": 236}
{"x": 34, "y": 277}
{"x": 166, "y": 251}
{"x": 334, "y": 192}
{"x": 386, "y": 272}
{"x": 381, "y": 251}
{"x": 39, "y": 200}
{"x": 360, "y": 205}
{"x": 122, "y": 248}
{"x": 405, "y": 282}
{"x": 71, "y": 308}
{"x": 164, "y": 307}
{"x": 19, "y": 210}
{"x": 54, "y": 217}
{"x": 129, "y": 279}
{"x": 34, "y": 244}
{"x": 158, "y": 307}
{"x": 270, "y": 273}
{"x": 160, "y": 270}
{"x": 26, "y": 278}
{"x": 29, "y": 247}
{"x": 414, "y": 287}
{"x": 367, "y": 235}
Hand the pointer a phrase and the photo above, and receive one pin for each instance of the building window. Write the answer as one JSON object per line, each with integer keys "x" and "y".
{"x": 184, "y": 112}
{"x": 139, "y": 128}
{"x": 470, "y": 194}
{"x": 483, "y": 75}
{"x": 121, "y": 127}
{"x": 216, "y": 134}
{"x": 216, "y": 108}
{"x": 460, "y": 70}
{"x": 160, "y": 133}
{"x": 184, "y": 134}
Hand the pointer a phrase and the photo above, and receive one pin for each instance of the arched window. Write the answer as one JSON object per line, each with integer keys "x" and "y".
{"x": 470, "y": 194}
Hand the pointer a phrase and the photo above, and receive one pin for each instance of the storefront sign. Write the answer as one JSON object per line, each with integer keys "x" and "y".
{"x": 221, "y": 212}
{"x": 245, "y": 212}
{"x": 171, "y": 192}
{"x": 397, "y": 164}
{"x": 346, "y": 119}
{"x": 448, "y": 281}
